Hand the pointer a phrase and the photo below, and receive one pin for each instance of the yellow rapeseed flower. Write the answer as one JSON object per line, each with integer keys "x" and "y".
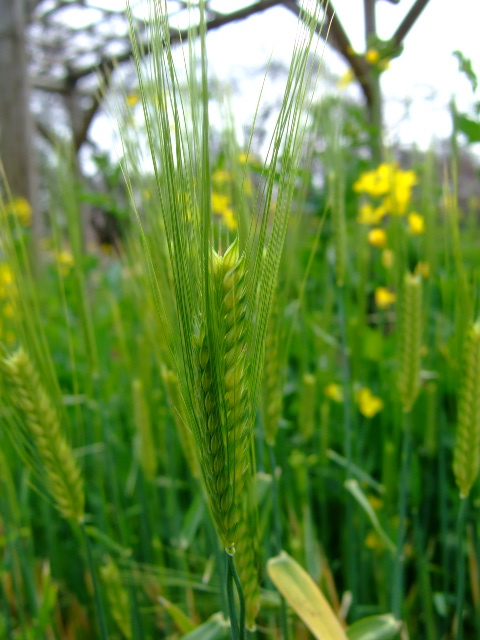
{"x": 377, "y": 238}
{"x": 132, "y": 100}
{"x": 6, "y": 281}
{"x": 376, "y": 182}
{"x": 384, "y": 298}
{"x": 20, "y": 207}
{"x": 346, "y": 79}
{"x": 416, "y": 224}
{"x": 422, "y": 269}
{"x": 368, "y": 404}
{"x": 8, "y": 311}
{"x": 392, "y": 183}
{"x": 334, "y": 392}
{"x": 388, "y": 258}
{"x": 229, "y": 219}
{"x": 400, "y": 192}
{"x": 220, "y": 202}
{"x": 372, "y": 56}
{"x": 65, "y": 262}
{"x": 370, "y": 215}
{"x": 221, "y": 176}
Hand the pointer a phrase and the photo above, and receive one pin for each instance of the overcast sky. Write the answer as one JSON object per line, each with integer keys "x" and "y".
{"x": 425, "y": 75}
{"x": 417, "y": 88}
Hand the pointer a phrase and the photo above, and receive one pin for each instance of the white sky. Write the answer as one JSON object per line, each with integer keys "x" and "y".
{"x": 417, "y": 88}
{"x": 426, "y": 74}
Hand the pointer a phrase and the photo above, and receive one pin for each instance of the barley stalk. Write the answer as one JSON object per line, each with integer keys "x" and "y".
{"x": 246, "y": 563}
{"x": 306, "y": 412}
{"x": 410, "y": 339}
{"x": 145, "y": 442}
{"x": 172, "y": 386}
{"x": 466, "y": 453}
{"x": 43, "y": 428}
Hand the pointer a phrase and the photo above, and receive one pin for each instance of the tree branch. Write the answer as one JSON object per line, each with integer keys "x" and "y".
{"x": 338, "y": 39}
{"x": 408, "y": 22}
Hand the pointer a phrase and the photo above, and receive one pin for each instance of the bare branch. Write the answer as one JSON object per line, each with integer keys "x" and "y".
{"x": 338, "y": 40}
{"x": 408, "y": 22}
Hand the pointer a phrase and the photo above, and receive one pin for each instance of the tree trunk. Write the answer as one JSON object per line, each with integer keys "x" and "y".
{"x": 16, "y": 124}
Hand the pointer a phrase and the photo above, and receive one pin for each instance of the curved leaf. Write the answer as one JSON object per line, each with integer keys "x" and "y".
{"x": 384, "y": 627}
{"x": 304, "y": 596}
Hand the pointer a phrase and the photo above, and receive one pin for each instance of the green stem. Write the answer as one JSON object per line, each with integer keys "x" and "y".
{"x": 277, "y": 524}
{"x": 397, "y": 579}
{"x": 96, "y": 591}
{"x": 237, "y": 624}
{"x": 347, "y": 431}
{"x": 462, "y": 514}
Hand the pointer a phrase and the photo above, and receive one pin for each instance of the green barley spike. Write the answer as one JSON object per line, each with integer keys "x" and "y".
{"x": 43, "y": 429}
{"x": 224, "y": 439}
{"x": 466, "y": 453}
{"x": 272, "y": 396}
{"x": 117, "y": 597}
{"x": 410, "y": 339}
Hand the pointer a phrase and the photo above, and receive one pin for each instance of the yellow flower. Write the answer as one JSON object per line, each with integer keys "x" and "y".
{"x": 388, "y": 258}
{"x": 377, "y": 238}
{"x": 400, "y": 192}
{"x": 384, "y": 298}
{"x": 369, "y": 215}
{"x": 416, "y": 224}
{"x": 391, "y": 182}
{"x": 132, "y": 100}
{"x": 65, "y": 262}
{"x": 423, "y": 270}
{"x": 368, "y": 404}
{"x": 20, "y": 207}
{"x": 219, "y": 203}
{"x": 6, "y": 275}
{"x": 247, "y": 187}
{"x": 376, "y": 182}
{"x": 6, "y": 281}
{"x": 229, "y": 219}
{"x": 242, "y": 158}
{"x": 221, "y": 176}
{"x": 221, "y": 206}
{"x": 346, "y": 79}
{"x": 8, "y": 311}
{"x": 334, "y": 392}
{"x": 372, "y": 56}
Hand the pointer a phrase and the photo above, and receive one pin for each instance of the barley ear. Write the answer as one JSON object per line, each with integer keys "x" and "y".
{"x": 117, "y": 597}
{"x": 224, "y": 417}
{"x": 43, "y": 429}
{"x": 466, "y": 453}
{"x": 272, "y": 397}
{"x": 410, "y": 341}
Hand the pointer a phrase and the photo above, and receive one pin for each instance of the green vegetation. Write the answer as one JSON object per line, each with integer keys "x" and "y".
{"x": 258, "y": 414}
